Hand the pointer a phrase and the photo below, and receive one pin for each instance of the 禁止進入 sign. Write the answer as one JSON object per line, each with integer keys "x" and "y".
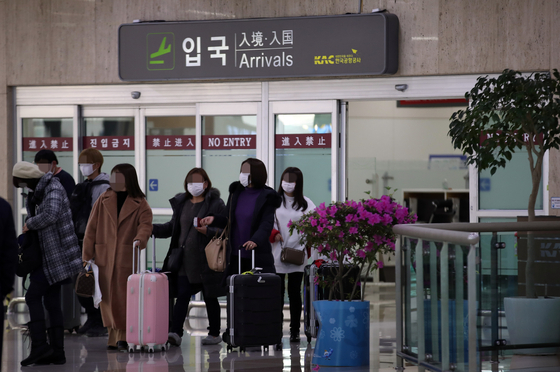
{"x": 346, "y": 45}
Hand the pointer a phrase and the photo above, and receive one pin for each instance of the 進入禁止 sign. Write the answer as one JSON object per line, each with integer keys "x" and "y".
{"x": 346, "y": 45}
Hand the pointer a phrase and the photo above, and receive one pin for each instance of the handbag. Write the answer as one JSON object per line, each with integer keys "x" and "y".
{"x": 85, "y": 282}
{"x": 29, "y": 253}
{"x": 290, "y": 255}
{"x": 175, "y": 259}
{"x": 216, "y": 252}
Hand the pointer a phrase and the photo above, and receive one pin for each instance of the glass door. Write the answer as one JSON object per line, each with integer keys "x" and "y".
{"x": 304, "y": 134}
{"x": 229, "y": 135}
{"x": 170, "y": 153}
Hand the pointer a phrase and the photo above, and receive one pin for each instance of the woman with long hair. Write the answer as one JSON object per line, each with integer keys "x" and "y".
{"x": 120, "y": 220}
{"x": 294, "y": 205}
{"x": 250, "y": 211}
{"x": 192, "y": 274}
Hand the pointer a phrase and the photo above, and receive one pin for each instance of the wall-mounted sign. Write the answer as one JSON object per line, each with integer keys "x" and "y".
{"x": 48, "y": 143}
{"x": 345, "y": 45}
{"x": 227, "y": 142}
{"x": 303, "y": 141}
{"x": 555, "y": 203}
{"x": 109, "y": 143}
{"x": 178, "y": 142}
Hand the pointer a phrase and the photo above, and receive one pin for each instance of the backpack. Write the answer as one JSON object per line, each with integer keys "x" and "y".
{"x": 80, "y": 205}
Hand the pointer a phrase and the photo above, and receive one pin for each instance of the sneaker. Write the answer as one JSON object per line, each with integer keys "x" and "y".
{"x": 174, "y": 339}
{"x": 211, "y": 340}
{"x": 98, "y": 331}
{"x": 294, "y": 337}
{"x": 122, "y": 346}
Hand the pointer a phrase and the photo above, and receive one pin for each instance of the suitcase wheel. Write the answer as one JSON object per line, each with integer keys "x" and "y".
{"x": 229, "y": 348}
{"x": 150, "y": 349}
{"x": 242, "y": 349}
{"x": 131, "y": 348}
{"x": 278, "y": 347}
{"x": 163, "y": 347}
{"x": 265, "y": 347}
{"x": 308, "y": 339}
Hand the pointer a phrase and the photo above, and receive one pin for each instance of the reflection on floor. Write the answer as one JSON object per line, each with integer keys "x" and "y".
{"x": 90, "y": 354}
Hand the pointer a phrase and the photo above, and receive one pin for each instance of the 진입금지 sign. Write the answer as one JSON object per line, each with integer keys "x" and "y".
{"x": 344, "y": 45}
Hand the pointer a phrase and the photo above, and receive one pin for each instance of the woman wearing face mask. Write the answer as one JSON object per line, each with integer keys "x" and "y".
{"x": 251, "y": 205}
{"x": 193, "y": 275}
{"x": 120, "y": 219}
{"x": 294, "y": 205}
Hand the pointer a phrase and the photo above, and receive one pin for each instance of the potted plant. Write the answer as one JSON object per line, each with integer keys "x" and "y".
{"x": 506, "y": 114}
{"x": 349, "y": 232}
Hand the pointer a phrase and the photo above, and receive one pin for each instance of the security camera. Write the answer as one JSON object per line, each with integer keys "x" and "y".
{"x": 401, "y": 87}
{"x": 135, "y": 95}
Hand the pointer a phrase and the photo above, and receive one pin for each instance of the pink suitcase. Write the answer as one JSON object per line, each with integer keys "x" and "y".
{"x": 147, "y": 306}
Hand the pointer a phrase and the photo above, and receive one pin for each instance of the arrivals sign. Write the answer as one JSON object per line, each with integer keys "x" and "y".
{"x": 345, "y": 45}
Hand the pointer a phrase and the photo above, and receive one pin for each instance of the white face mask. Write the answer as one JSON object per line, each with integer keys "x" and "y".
{"x": 196, "y": 189}
{"x": 288, "y": 187}
{"x": 86, "y": 169}
{"x": 244, "y": 179}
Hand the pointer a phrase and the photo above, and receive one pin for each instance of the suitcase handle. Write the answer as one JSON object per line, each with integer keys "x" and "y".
{"x": 136, "y": 259}
{"x": 252, "y": 261}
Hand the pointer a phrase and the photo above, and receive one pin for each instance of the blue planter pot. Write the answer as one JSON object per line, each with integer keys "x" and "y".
{"x": 343, "y": 338}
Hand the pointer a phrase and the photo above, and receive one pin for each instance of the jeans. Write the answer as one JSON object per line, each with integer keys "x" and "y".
{"x": 294, "y": 295}
{"x": 39, "y": 292}
{"x": 185, "y": 290}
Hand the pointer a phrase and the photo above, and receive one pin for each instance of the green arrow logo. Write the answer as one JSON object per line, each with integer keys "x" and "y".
{"x": 160, "y": 51}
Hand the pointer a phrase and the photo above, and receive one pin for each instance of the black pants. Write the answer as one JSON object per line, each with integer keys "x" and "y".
{"x": 184, "y": 292}
{"x": 93, "y": 314}
{"x": 294, "y": 295}
{"x": 41, "y": 292}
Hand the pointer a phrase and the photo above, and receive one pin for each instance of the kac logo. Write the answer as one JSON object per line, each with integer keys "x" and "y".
{"x": 161, "y": 51}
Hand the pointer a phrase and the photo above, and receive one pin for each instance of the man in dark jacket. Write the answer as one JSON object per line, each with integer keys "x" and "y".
{"x": 8, "y": 255}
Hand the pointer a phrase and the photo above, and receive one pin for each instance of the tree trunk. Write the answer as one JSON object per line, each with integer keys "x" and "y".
{"x": 536, "y": 172}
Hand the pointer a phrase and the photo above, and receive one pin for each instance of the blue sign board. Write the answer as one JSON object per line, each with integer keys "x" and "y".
{"x": 484, "y": 184}
{"x": 153, "y": 184}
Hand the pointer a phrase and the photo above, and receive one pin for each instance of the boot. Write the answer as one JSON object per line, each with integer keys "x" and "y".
{"x": 40, "y": 348}
{"x": 56, "y": 338}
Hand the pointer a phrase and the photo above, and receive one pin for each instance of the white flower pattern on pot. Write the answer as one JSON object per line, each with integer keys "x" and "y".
{"x": 351, "y": 321}
{"x": 365, "y": 314}
{"x": 332, "y": 320}
{"x": 354, "y": 354}
{"x": 337, "y": 334}
{"x": 352, "y": 309}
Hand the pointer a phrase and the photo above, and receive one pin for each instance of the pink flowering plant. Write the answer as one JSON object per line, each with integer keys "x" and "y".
{"x": 352, "y": 232}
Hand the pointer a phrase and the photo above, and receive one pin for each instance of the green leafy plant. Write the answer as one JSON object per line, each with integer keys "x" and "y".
{"x": 506, "y": 114}
{"x": 352, "y": 232}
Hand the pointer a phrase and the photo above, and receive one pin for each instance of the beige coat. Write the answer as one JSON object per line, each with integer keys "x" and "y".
{"x": 109, "y": 242}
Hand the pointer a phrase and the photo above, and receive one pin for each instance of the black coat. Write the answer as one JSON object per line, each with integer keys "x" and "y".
{"x": 8, "y": 249}
{"x": 261, "y": 225}
{"x": 212, "y": 204}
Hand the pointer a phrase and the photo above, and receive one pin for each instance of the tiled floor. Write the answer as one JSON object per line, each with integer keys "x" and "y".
{"x": 90, "y": 354}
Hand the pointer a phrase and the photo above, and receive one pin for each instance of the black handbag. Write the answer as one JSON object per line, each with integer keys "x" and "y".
{"x": 29, "y": 253}
{"x": 175, "y": 260}
{"x": 290, "y": 255}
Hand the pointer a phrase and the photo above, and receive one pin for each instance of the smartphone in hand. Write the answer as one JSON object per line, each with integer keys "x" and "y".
{"x": 195, "y": 222}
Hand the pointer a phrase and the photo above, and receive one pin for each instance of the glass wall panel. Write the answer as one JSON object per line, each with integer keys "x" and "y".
{"x": 226, "y": 142}
{"x": 52, "y": 134}
{"x": 114, "y": 137}
{"x": 515, "y": 178}
{"x": 403, "y": 148}
{"x": 170, "y": 154}
{"x": 304, "y": 141}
